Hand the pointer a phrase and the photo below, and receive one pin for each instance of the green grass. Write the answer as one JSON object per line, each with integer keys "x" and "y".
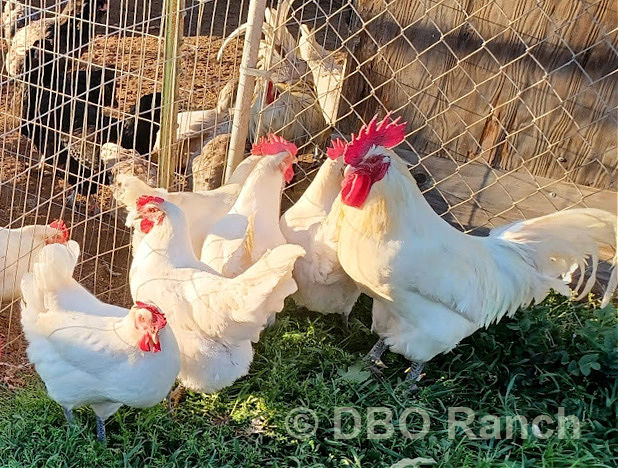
{"x": 556, "y": 354}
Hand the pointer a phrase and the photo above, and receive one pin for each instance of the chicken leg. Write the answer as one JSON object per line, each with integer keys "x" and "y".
{"x": 414, "y": 374}
{"x": 375, "y": 357}
{"x": 68, "y": 414}
{"x": 100, "y": 430}
{"x": 175, "y": 396}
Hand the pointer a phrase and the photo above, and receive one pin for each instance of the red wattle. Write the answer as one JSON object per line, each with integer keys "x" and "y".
{"x": 270, "y": 93}
{"x": 146, "y": 225}
{"x": 144, "y": 343}
{"x": 355, "y": 189}
{"x": 288, "y": 174}
{"x": 147, "y": 345}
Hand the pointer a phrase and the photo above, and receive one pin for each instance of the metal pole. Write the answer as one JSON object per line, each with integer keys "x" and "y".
{"x": 246, "y": 84}
{"x": 174, "y": 25}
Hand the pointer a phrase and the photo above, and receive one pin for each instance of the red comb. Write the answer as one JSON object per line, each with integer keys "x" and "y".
{"x": 336, "y": 148}
{"x": 273, "y": 144}
{"x": 145, "y": 199}
{"x": 387, "y": 133}
{"x": 157, "y": 316}
{"x": 59, "y": 224}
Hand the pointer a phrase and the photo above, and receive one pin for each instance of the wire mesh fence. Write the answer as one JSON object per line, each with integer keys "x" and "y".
{"x": 511, "y": 106}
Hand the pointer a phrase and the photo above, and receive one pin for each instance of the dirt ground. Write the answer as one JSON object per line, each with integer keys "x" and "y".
{"x": 29, "y": 195}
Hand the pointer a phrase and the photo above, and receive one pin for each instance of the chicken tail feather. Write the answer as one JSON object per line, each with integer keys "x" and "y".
{"x": 265, "y": 284}
{"x": 52, "y": 270}
{"x": 559, "y": 244}
{"x": 55, "y": 265}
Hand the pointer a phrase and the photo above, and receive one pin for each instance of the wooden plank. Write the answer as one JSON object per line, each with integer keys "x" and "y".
{"x": 476, "y": 197}
{"x": 496, "y": 82}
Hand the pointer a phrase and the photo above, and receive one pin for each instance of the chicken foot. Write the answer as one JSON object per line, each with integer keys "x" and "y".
{"x": 374, "y": 356}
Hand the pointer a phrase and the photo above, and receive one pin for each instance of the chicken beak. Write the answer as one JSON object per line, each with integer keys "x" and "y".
{"x": 347, "y": 171}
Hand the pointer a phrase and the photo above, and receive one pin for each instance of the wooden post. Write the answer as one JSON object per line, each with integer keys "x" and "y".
{"x": 246, "y": 85}
{"x": 174, "y": 24}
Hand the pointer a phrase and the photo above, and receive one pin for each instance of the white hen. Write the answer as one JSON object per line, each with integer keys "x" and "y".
{"x": 91, "y": 353}
{"x": 201, "y": 209}
{"x": 251, "y": 227}
{"x": 214, "y": 318}
{"x": 323, "y": 286}
{"x": 19, "y": 248}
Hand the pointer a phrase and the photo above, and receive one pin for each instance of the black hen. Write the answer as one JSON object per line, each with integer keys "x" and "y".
{"x": 84, "y": 169}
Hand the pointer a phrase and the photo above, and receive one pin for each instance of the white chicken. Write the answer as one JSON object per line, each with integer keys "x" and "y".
{"x": 15, "y": 15}
{"x": 323, "y": 286}
{"x": 284, "y": 100}
{"x": 432, "y": 284}
{"x": 214, "y": 318}
{"x": 25, "y": 39}
{"x": 327, "y": 73}
{"x": 290, "y": 110}
{"x": 201, "y": 209}
{"x": 251, "y": 227}
{"x": 19, "y": 248}
{"x": 91, "y": 353}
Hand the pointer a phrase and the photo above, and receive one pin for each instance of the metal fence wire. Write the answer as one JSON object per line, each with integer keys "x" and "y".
{"x": 511, "y": 105}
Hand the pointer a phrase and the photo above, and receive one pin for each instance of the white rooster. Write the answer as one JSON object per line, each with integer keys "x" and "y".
{"x": 19, "y": 248}
{"x": 91, "y": 353}
{"x": 284, "y": 99}
{"x": 214, "y": 318}
{"x": 432, "y": 284}
{"x": 251, "y": 227}
{"x": 323, "y": 286}
{"x": 201, "y": 209}
{"x": 277, "y": 55}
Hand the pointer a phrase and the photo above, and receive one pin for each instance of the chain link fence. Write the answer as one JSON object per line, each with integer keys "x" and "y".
{"x": 511, "y": 106}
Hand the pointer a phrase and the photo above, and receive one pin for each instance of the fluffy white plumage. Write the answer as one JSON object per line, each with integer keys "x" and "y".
{"x": 14, "y": 16}
{"x": 251, "y": 227}
{"x": 277, "y": 55}
{"x": 323, "y": 286}
{"x": 88, "y": 352}
{"x": 294, "y": 113}
{"x": 201, "y": 209}
{"x": 214, "y": 318}
{"x": 433, "y": 285}
{"x": 19, "y": 248}
{"x": 284, "y": 100}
